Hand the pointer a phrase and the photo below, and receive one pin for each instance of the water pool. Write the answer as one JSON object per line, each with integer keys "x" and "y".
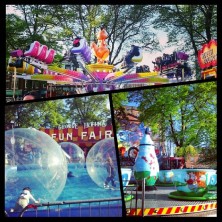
{"x": 79, "y": 187}
{"x": 82, "y": 187}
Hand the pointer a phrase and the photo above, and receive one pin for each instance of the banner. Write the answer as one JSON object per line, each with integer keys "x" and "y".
{"x": 81, "y": 136}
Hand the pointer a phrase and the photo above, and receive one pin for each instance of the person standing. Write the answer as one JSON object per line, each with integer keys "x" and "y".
{"x": 111, "y": 172}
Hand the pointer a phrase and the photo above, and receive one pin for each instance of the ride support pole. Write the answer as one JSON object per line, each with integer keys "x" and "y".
{"x": 50, "y": 90}
{"x": 182, "y": 74}
{"x": 143, "y": 196}
{"x": 13, "y": 96}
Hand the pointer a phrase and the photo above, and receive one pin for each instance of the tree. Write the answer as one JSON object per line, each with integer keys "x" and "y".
{"x": 118, "y": 100}
{"x": 57, "y": 112}
{"x": 56, "y": 24}
{"x": 189, "y": 26}
{"x": 87, "y": 109}
{"x": 15, "y": 27}
{"x": 185, "y": 114}
{"x": 125, "y": 24}
{"x": 34, "y": 114}
{"x": 186, "y": 151}
{"x": 36, "y": 24}
{"x": 130, "y": 24}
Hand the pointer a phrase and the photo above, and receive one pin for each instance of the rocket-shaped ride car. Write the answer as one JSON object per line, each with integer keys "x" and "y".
{"x": 146, "y": 163}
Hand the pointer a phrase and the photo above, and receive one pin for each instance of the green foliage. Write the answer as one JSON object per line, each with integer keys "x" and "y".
{"x": 36, "y": 23}
{"x": 34, "y": 114}
{"x": 88, "y": 109}
{"x": 186, "y": 151}
{"x": 58, "y": 112}
{"x": 179, "y": 151}
{"x": 185, "y": 114}
{"x": 57, "y": 25}
{"x": 118, "y": 101}
{"x": 190, "y": 150}
{"x": 188, "y": 27}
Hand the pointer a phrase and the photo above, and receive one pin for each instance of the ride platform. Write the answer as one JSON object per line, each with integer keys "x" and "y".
{"x": 158, "y": 203}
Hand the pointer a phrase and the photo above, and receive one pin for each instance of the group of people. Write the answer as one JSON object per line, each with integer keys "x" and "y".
{"x": 166, "y": 59}
{"x": 142, "y": 68}
{"x": 171, "y": 61}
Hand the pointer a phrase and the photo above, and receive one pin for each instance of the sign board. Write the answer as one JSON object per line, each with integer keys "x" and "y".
{"x": 207, "y": 56}
{"x": 81, "y": 136}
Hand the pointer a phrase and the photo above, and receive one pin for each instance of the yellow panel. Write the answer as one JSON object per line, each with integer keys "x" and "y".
{"x": 100, "y": 67}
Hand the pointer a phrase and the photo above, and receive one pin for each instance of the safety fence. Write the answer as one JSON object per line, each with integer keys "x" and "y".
{"x": 138, "y": 203}
{"x": 109, "y": 207}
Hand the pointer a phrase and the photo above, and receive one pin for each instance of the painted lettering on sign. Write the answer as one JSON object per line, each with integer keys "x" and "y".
{"x": 84, "y": 135}
{"x": 74, "y": 125}
{"x": 80, "y": 134}
{"x": 207, "y": 56}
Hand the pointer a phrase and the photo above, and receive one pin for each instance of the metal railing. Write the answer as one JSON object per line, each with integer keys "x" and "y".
{"x": 109, "y": 207}
{"x": 131, "y": 191}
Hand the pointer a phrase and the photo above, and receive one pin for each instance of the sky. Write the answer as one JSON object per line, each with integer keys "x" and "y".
{"x": 10, "y": 9}
{"x": 147, "y": 57}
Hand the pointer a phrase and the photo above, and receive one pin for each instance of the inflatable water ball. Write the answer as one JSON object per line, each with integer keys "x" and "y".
{"x": 75, "y": 156}
{"x": 96, "y": 161}
{"x": 33, "y": 159}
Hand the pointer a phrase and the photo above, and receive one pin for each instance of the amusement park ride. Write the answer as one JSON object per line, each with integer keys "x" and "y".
{"x": 76, "y": 70}
{"x": 168, "y": 187}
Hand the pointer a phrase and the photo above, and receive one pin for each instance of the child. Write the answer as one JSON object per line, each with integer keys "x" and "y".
{"x": 23, "y": 200}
